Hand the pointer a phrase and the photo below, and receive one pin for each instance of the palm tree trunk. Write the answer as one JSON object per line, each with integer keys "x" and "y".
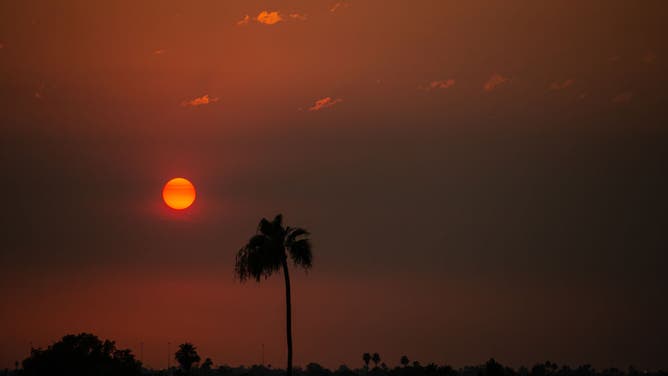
{"x": 288, "y": 315}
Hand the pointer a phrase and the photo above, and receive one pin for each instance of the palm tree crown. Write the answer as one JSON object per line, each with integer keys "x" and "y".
{"x": 267, "y": 250}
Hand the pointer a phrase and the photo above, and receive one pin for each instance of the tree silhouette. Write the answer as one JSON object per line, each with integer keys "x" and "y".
{"x": 81, "y": 354}
{"x": 376, "y": 359}
{"x": 404, "y": 360}
{"x": 208, "y": 364}
{"x": 267, "y": 252}
{"x": 186, "y": 356}
{"x": 366, "y": 357}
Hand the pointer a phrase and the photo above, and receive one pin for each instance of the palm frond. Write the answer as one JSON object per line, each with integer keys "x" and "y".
{"x": 300, "y": 253}
{"x": 293, "y": 234}
{"x": 265, "y": 227}
{"x": 278, "y": 221}
{"x": 259, "y": 258}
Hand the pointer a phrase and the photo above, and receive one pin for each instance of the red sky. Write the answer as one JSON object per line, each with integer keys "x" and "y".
{"x": 482, "y": 179}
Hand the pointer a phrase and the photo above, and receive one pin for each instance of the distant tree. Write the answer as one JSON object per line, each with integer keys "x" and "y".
{"x": 416, "y": 364}
{"x": 208, "y": 364}
{"x": 315, "y": 369}
{"x": 551, "y": 366}
{"x": 344, "y": 370}
{"x": 186, "y": 355}
{"x": 446, "y": 370}
{"x": 404, "y": 360}
{"x": 376, "y": 359}
{"x": 493, "y": 368}
{"x": 81, "y": 354}
{"x": 367, "y": 358}
{"x": 539, "y": 370}
{"x": 267, "y": 252}
{"x": 509, "y": 371}
{"x": 585, "y": 370}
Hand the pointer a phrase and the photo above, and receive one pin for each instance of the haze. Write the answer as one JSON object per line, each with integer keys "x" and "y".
{"x": 481, "y": 179}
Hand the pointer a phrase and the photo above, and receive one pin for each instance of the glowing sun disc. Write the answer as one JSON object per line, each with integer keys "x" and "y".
{"x": 179, "y": 193}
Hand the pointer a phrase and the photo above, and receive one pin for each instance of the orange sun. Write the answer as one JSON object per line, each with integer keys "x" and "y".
{"x": 178, "y": 193}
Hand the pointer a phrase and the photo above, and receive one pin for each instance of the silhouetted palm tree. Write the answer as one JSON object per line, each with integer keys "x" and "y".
{"x": 187, "y": 355}
{"x": 267, "y": 252}
{"x": 208, "y": 363}
{"x": 367, "y": 358}
{"x": 376, "y": 359}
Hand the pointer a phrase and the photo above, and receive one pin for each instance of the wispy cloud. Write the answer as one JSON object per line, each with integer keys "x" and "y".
{"x": 338, "y": 6}
{"x": 622, "y": 97}
{"x": 561, "y": 85}
{"x": 199, "y": 101}
{"x": 495, "y": 81}
{"x": 272, "y": 18}
{"x": 244, "y": 21}
{"x": 268, "y": 18}
{"x": 440, "y": 84}
{"x": 323, "y": 103}
{"x": 297, "y": 16}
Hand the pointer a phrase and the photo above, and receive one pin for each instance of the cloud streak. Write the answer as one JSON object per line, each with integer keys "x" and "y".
{"x": 297, "y": 16}
{"x": 199, "y": 101}
{"x": 244, "y": 21}
{"x": 338, "y": 6}
{"x": 323, "y": 103}
{"x": 271, "y": 18}
{"x": 441, "y": 84}
{"x": 495, "y": 81}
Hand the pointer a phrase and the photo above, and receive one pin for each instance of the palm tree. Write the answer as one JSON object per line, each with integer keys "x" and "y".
{"x": 366, "y": 357}
{"x": 187, "y": 355}
{"x": 267, "y": 252}
{"x": 376, "y": 359}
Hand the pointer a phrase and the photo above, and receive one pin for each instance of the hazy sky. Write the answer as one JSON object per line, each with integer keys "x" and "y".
{"x": 481, "y": 179}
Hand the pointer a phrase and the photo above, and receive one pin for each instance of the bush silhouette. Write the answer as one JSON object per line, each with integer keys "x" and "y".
{"x": 80, "y": 355}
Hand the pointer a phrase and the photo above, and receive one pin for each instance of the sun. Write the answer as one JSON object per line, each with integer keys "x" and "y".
{"x": 179, "y": 193}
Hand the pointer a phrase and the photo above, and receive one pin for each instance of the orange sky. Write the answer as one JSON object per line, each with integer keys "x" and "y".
{"x": 482, "y": 179}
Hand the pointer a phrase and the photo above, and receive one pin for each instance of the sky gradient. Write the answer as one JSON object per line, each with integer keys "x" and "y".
{"x": 481, "y": 179}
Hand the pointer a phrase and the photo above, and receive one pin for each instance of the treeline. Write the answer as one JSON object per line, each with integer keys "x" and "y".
{"x": 490, "y": 368}
{"x": 86, "y": 355}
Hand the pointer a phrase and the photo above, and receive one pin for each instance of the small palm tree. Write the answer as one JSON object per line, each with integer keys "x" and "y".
{"x": 376, "y": 359}
{"x": 366, "y": 357}
{"x": 187, "y": 355}
{"x": 267, "y": 252}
